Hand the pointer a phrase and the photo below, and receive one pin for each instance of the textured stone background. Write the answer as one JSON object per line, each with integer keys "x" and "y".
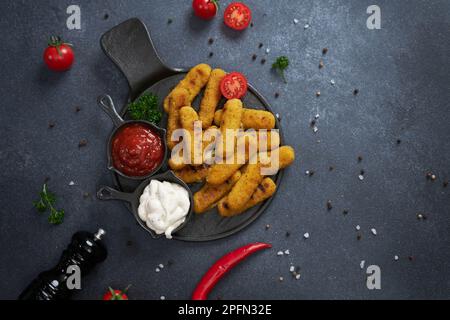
{"x": 403, "y": 76}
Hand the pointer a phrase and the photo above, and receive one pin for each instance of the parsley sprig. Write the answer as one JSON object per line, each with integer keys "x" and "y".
{"x": 146, "y": 108}
{"x": 46, "y": 202}
{"x": 280, "y": 65}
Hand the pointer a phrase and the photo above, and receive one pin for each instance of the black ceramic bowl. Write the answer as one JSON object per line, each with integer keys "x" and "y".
{"x": 107, "y": 193}
{"x": 107, "y": 104}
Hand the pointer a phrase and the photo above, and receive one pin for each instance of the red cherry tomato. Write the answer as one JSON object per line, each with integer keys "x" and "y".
{"x": 205, "y": 9}
{"x": 234, "y": 86}
{"x": 115, "y": 295}
{"x": 58, "y": 56}
{"x": 238, "y": 16}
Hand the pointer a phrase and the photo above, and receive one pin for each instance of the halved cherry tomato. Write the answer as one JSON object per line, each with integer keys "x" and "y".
{"x": 238, "y": 16}
{"x": 205, "y": 9}
{"x": 234, "y": 86}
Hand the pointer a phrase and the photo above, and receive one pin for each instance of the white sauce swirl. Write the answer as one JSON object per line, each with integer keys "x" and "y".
{"x": 164, "y": 207}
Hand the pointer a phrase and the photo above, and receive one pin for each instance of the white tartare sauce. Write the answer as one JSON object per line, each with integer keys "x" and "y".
{"x": 164, "y": 207}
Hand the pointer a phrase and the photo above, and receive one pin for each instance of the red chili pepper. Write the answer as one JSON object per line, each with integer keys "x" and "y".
{"x": 222, "y": 266}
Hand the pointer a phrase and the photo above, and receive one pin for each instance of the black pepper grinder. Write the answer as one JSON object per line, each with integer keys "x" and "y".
{"x": 85, "y": 251}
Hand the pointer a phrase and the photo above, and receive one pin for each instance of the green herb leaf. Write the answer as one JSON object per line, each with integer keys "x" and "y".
{"x": 146, "y": 108}
{"x": 56, "y": 217}
{"x": 280, "y": 65}
{"x": 46, "y": 202}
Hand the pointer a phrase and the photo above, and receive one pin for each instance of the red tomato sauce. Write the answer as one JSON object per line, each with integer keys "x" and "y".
{"x": 137, "y": 150}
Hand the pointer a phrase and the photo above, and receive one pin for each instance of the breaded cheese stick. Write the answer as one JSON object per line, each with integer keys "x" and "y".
{"x": 191, "y": 174}
{"x": 242, "y": 191}
{"x": 252, "y": 119}
{"x": 178, "y": 99}
{"x": 265, "y": 190}
{"x": 209, "y": 195}
{"x": 188, "y": 117}
{"x": 211, "y": 98}
{"x": 194, "y": 82}
{"x": 286, "y": 156}
{"x": 220, "y": 172}
{"x": 231, "y": 120}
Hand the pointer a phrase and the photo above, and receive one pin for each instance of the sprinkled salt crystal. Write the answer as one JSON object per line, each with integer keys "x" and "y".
{"x": 361, "y": 177}
{"x": 157, "y": 270}
{"x": 315, "y": 129}
{"x": 358, "y": 227}
{"x": 307, "y": 172}
{"x": 280, "y": 253}
{"x": 362, "y": 264}
{"x": 332, "y": 82}
{"x": 161, "y": 266}
{"x": 306, "y": 26}
{"x": 281, "y": 279}
{"x": 296, "y": 21}
{"x": 278, "y": 116}
{"x": 317, "y": 116}
{"x": 297, "y": 277}
{"x": 292, "y": 269}
{"x": 374, "y": 231}
{"x": 306, "y": 235}
{"x": 71, "y": 183}
{"x": 396, "y": 258}
{"x": 267, "y": 50}
{"x": 163, "y": 298}
{"x": 287, "y": 252}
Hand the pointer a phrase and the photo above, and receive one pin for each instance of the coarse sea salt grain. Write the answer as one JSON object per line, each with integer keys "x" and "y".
{"x": 296, "y": 21}
{"x": 292, "y": 269}
{"x": 362, "y": 264}
{"x": 306, "y": 26}
{"x": 161, "y": 266}
{"x": 287, "y": 252}
{"x": 361, "y": 177}
{"x": 306, "y": 235}
{"x": 267, "y": 50}
{"x": 71, "y": 183}
{"x": 333, "y": 82}
{"x": 157, "y": 270}
{"x": 280, "y": 253}
{"x": 297, "y": 277}
{"x": 358, "y": 227}
{"x": 374, "y": 231}
{"x": 396, "y": 258}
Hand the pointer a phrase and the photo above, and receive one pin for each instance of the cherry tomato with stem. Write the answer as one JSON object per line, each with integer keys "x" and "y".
{"x": 238, "y": 16}
{"x": 205, "y": 9}
{"x": 113, "y": 294}
{"x": 59, "y": 56}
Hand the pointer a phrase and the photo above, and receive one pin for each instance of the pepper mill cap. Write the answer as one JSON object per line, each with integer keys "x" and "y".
{"x": 100, "y": 233}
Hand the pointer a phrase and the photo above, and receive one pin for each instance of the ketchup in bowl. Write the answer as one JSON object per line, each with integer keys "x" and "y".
{"x": 137, "y": 150}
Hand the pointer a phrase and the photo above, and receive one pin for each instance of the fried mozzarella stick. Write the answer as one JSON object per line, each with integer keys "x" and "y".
{"x": 286, "y": 156}
{"x": 209, "y": 195}
{"x": 192, "y": 174}
{"x": 211, "y": 98}
{"x": 231, "y": 120}
{"x": 252, "y": 119}
{"x": 242, "y": 191}
{"x": 194, "y": 82}
{"x": 265, "y": 190}
{"x": 221, "y": 172}
{"x": 188, "y": 117}
{"x": 178, "y": 99}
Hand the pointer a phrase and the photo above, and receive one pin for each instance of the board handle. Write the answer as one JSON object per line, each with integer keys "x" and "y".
{"x": 131, "y": 48}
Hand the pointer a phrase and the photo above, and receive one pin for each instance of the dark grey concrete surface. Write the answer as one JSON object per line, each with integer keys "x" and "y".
{"x": 402, "y": 72}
